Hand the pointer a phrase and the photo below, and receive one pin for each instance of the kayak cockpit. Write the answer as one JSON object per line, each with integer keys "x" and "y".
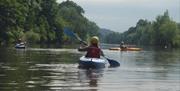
{"x": 87, "y": 63}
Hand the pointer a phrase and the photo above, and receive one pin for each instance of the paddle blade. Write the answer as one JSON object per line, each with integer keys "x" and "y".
{"x": 68, "y": 32}
{"x": 113, "y": 63}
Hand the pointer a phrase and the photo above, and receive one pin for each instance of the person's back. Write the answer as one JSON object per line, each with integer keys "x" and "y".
{"x": 93, "y": 51}
{"x": 122, "y": 46}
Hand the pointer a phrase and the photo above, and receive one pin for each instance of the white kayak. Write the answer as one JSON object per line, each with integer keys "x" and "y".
{"x": 87, "y": 63}
{"x": 20, "y": 46}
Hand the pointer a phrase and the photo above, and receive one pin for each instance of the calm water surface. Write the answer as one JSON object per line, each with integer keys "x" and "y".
{"x": 36, "y": 69}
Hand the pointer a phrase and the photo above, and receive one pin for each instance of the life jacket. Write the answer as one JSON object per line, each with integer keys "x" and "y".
{"x": 93, "y": 52}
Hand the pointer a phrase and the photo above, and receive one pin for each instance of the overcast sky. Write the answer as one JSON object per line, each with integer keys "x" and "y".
{"x": 119, "y": 15}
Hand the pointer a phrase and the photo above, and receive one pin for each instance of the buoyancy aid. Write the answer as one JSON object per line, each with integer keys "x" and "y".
{"x": 93, "y": 52}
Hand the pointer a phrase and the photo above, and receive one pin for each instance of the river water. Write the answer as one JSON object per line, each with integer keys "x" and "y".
{"x": 37, "y": 69}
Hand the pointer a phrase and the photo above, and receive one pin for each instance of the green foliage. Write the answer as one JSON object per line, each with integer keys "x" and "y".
{"x": 72, "y": 14}
{"x": 161, "y": 32}
{"x": 15, "y": 35}
{"x": 42, "y": 21}
{"x": 113, "y": 40}
{"x": 32, "y": 37}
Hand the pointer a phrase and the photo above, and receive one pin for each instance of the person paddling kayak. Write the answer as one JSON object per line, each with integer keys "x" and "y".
{"x": 93, "y": 50}
{"x": 122, "y": 46}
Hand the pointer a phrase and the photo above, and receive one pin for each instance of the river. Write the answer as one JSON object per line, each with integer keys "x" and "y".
{"x": 38, "y": 69}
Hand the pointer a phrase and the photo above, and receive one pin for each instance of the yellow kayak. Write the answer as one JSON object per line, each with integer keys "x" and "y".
{"x": 125, "y": 49}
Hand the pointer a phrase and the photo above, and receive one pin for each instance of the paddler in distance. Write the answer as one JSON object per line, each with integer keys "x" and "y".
{"x": 122, "y": 46}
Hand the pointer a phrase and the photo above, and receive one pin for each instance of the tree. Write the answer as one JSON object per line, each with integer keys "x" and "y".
{"x": 42, "y": 19}
{"x": 72, "y": 14}
{"x": 161, "y": 32}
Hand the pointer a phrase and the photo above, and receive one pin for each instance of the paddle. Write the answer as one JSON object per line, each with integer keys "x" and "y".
{"x": 73, "y": 35}
{"x": 113, "y": 63}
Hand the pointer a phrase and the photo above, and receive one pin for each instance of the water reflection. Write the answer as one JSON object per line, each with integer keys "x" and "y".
{"x": 91, "y": 76}
{"x": 56, "y": 70}
{"x": 65, "y": 77}
{"x": 28, "y": 69}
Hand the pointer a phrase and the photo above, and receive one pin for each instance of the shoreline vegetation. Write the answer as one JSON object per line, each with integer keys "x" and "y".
{"x": 163, "y": 32}
{"x": 41, "y": 22}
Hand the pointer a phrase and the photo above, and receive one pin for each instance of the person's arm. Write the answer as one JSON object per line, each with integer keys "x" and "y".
{"x": 82, "y": 48}
{"x": 102, "y": 54}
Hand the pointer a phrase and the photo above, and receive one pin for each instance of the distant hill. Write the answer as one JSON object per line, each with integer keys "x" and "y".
{"x": 103, "y": 33}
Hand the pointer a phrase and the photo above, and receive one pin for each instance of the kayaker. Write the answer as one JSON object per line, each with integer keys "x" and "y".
{"x": 93, "y": 50}
{"x": 122, "y": 46}
{"x": 20, "y": 42}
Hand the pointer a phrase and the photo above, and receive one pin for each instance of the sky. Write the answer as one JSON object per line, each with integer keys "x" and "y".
{"x": 120, "y": 15}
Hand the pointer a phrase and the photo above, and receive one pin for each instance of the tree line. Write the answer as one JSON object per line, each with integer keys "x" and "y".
{"x": 42, "y": 21}
{"x": 162, "y": 32}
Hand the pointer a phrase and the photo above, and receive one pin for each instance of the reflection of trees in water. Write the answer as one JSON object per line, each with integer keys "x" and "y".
{"x": 159, "y": 63}
{"x": 166, "y": 57}
{"x": 19, "y": 69}
{"x": 91, "y": 77}
{"x": 165, "y": 61}
{"x": 13, "y": 70}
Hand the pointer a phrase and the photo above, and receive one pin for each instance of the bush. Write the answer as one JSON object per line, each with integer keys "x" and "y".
{"x": 32, "y": 37}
